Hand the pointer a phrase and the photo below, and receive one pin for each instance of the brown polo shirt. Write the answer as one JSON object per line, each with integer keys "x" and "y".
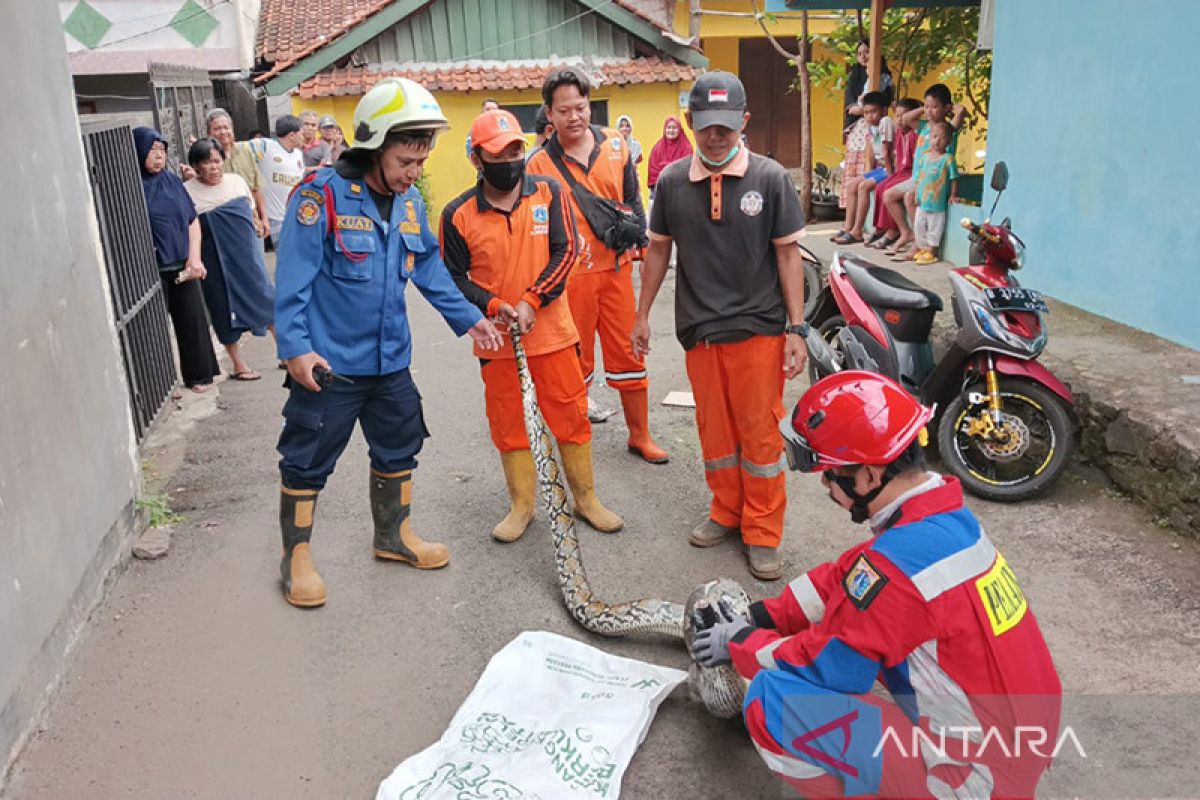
{"x": 725, "y": 227}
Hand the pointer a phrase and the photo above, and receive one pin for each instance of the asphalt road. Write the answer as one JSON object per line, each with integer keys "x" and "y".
{"x": 196, "y": 680}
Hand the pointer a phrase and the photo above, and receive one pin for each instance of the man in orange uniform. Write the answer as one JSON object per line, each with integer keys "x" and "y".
{"x": 601, "y": 289}
{"x": 510, "y": 243}
{"x": 739, "y": 312}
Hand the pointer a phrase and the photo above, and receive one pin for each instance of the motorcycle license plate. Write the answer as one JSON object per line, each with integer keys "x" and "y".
{"x": 1007, "y": 298}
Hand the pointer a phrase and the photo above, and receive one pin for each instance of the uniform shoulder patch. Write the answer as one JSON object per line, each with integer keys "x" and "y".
{"x": 863, "y": 582}
{"x": 311, "y": 193}
{"x": 308, "y": 211}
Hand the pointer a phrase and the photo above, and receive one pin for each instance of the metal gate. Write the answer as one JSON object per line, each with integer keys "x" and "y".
{"x": 137, "y": 298}
{"x": 183, "y": 96}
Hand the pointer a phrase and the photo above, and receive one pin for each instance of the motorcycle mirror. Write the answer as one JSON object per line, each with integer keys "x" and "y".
{"x": 1000, "y": 176}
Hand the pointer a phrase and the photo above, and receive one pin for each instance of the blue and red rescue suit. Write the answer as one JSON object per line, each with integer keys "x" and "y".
{"x": 341, "y": 271}
{"x": 931, "y": 609}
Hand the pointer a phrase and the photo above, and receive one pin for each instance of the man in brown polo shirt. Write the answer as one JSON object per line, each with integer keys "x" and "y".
{"x": 739, "y": 307}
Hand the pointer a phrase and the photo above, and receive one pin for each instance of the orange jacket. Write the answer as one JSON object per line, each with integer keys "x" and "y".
{"x": 609, "y": 173}
{"x": 504, "y": 257}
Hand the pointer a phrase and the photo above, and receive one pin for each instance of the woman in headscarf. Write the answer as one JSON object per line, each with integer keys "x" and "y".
{"x": 176, "y": 234}
{"x": 237, "y": 290}
{"x": 672, "y": 147}
{"x": 625, "y": 126}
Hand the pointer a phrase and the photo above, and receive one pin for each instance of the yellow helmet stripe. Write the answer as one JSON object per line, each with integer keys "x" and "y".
{"x": 395, "y": 104}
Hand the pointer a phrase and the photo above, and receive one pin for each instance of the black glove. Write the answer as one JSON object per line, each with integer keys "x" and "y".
{"x": 710, "y": 647}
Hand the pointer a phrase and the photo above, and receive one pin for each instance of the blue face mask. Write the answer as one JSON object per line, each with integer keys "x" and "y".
{"x": 718, "y": 164}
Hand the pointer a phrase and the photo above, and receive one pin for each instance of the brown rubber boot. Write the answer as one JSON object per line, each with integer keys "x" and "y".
{"x": 637, "y": 412}
{"x": 521, "y": 477}
{"x": 577, "y": 463}
{"x": 302, "y": 586}
{"x": 391, "y": 501}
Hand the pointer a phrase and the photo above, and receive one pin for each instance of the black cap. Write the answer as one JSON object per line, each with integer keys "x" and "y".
{"x": 717, "y": 98}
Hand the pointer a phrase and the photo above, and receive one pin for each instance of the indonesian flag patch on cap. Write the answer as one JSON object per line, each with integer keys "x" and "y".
{"x": 718, "y": 96}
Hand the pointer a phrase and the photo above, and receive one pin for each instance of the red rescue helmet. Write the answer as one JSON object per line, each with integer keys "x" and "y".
{"x": 852, "y": 417}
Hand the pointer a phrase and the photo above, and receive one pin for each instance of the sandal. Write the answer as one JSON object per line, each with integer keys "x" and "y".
{"x": 200, "y": 388}
{"x": 247, "y": 375}
{"x": 837, "y": 235}
{"x": 885, "y": 242}
{"x": 845, "y": 238}
{"x": 897, "y": 246}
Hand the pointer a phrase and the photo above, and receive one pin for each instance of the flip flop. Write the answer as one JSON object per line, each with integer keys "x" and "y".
{"x": 846, "y": 238}
{"x": 248, "y": 375}
{"x": 837, "y": 235}
{"x": 884, "y": 243}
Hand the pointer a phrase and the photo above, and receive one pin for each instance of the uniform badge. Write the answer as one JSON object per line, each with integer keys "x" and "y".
{"x": 410, "y": 211}
{"x": 863, "y": 582}
{"x": 615, "y": 144}
{"x": 752, "y": 204}
{"x": 348, "y": 223}
{"x": 355, "y": 188}
{"x": 1002, "y": 597}
{"x": 313, "y": 193}
{"x": 307, "y": 212}
{"x": 541, "y": 215}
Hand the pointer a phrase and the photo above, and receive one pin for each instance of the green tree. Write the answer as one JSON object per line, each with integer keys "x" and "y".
{"x": 917, "y": 42}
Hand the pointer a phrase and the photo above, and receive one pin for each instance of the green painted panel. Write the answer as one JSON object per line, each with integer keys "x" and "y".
{"x": 449, "y": 30}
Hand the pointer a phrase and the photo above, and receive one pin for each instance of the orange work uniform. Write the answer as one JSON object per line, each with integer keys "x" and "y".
{"x": 601, "y": 285}
{"x": 730, "y": 316}
{"x": 498, "y": 256}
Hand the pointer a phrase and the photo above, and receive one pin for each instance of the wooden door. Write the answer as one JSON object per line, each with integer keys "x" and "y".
{"x": 774, "y": 128}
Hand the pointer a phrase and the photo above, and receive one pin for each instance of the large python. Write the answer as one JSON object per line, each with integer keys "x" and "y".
{"x": 720, "y": 689}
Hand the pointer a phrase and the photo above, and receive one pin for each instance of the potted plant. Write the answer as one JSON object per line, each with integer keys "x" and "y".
{"x": 825, "y": 192}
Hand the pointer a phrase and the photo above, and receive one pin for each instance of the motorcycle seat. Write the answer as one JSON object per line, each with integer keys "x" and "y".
{"x": 886, "y": 288}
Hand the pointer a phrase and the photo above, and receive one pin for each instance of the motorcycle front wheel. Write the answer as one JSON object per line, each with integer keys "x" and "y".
{"x": 1024, "y": 457}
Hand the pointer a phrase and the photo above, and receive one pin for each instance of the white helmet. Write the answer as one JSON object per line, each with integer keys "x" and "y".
{"x": 395, "y": 104}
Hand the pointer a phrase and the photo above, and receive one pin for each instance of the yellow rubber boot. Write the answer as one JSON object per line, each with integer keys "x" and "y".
{"x": 577, "y": 463}
{"x": 521, "y": 477}
{"x": 391, "y": 506}
{"x": 636, "y": 406}
{"x": 302, "y": 586}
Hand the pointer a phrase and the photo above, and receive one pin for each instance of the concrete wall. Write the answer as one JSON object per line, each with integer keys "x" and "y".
{"x": 68, "y": 469}
{"x": 1096, "y": 123}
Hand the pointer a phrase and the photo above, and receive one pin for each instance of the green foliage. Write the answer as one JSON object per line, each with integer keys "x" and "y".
{"x": 916, "y": 43}
{"x": 423, "y": 186}
{"x": 157, "y": 508}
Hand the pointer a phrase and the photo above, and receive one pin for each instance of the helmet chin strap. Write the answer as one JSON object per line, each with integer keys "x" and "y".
{"x": 859, "y": 511}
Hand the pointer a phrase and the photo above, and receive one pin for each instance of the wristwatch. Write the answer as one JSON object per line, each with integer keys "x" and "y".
{"x": 800, "y": 330}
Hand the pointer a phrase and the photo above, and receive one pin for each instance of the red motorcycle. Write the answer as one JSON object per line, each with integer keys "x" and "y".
{"x": 1006, "y": 425}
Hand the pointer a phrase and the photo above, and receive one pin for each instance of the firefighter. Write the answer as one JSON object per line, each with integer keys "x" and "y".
{"x": 928, "y": 605}
{"x": 734, "y": 218}
{"x": 510, "y": 243}
{"x": 354, "y": 236}
{"x": 589, "y": 158}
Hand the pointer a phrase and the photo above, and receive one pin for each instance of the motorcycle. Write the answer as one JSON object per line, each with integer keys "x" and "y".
{"x": 1005, "y": 425}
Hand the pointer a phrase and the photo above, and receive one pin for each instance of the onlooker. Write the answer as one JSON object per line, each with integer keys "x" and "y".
{"x": 937, "y": 182}
{"x": 490, "y": 105}
{"x": 331, "y": 134}
{"x": 901, "y": 198}
{"x": 880, "y": 132}
{"x": 625, "y": 126}
{"x": 176, "y": 234}
{"x": 239, "y": 159}
{"x": 903, "y": 148}
{"x": 856, "y": 84}
{"x": 541, "y": 131}
{"x": 672, "y": 147}
{"x": 281, "y": 162}
{"x": 237, "y": 291}
{"x": 859, "y": 159}
{"x": 739, "y": 312}
{"x": 316, "y": 153}
{"x": 600, "y": 289}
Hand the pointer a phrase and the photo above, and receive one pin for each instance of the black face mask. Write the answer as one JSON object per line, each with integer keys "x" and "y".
{"x": 504, "y": 175}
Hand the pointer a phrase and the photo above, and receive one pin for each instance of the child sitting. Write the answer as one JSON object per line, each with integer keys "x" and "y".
{"x": 937, "y": 180}
{"x": 860, "y": 158}
{"x": 880, "y": 135}
{"x": 905, "y": 144}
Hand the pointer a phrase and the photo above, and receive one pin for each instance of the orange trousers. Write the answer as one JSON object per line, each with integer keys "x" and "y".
{"x": 561, "y": 394}
{"x": 739, "y": 402}
{"x": 603, "y": 302}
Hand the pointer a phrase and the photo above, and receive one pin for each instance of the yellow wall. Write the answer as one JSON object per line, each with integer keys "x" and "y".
{"x": 450, "y": 172}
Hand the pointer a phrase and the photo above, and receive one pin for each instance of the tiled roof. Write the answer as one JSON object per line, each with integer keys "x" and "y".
{"x": 289, "y": 30}
{"x": 491, "y": 75}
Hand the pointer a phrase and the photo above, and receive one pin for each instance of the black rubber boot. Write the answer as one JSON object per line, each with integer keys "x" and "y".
{"x": 302, "y": 586}
{"x": 391, "y": 502}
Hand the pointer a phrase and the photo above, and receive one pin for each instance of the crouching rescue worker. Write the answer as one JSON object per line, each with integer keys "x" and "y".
{"x": 354, "y": 236}
{"x": 928, "y": 606}
{"x": 510, "y": 243}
